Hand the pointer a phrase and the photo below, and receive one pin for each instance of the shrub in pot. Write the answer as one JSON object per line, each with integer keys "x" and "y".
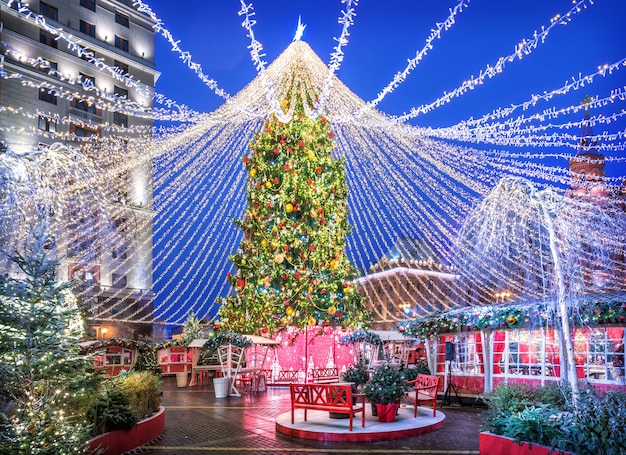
{"x": 386, "y": 386}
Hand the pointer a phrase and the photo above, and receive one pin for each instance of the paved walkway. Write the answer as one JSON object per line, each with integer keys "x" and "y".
{"x": 198, "y": 423}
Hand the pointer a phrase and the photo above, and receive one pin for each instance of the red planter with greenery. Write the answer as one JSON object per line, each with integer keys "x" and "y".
{"x": 121, "y": 441}
{"x": 493, "y": 444}
{"x": 387, "y": 412}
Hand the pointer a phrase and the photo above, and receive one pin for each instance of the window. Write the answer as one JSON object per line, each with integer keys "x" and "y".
{"x": 467, "y": 354}
{"x": 79, "y": 131}
{"x": 89, "y": 4}
{"x": 85, "y": 107}
{"x": 50, "y": 68}
{"x": 47, "y": 124}
{"x": 48, "y": 11}
{"x": 87, "y": 53}
{"x": 119, "y": 281}
{"x": 120, "y": 119}
{"x": 121, "y": 92}
{"x": 87, "y": 28}
{"x": 123, "y": 67}
{"x": 89, "y": 80}
{"x": 47, "y": 96}
{"x": 121, "y": 43}
{"x": 47, "y": 38}
{"x": 122, "y": 19}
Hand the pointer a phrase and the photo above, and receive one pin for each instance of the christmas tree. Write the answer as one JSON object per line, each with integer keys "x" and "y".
{"x": 46, "y": 386}
{"x": 292, "y": 269}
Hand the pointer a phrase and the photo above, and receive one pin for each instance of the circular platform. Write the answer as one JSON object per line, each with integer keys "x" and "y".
{"x": 320, "y": 426}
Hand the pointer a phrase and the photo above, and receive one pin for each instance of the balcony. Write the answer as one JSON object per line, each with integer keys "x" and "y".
{"x": 85, "y": 116}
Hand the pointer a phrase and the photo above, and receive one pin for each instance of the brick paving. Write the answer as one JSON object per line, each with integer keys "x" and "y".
{"x": 198, "y": 423}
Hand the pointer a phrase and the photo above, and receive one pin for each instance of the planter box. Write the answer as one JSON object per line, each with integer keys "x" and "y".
{"x": 493, "y": 444}
{"x": 121, "y": 441}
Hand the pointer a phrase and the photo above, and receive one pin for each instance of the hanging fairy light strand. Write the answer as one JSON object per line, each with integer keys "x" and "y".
{"x": 336, "y": 57}
{"x": 525, "y": 47}
{"x": 400, "y": 77}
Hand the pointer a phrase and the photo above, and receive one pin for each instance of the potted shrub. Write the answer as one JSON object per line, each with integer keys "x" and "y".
{"x": 356, "y": 374}
{"x": 386, "y": 386}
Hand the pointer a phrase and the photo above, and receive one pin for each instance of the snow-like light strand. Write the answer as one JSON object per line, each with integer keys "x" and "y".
{"x": 525, "y": 47}
{"x": 413, "y": 62}
{"x": 336, "y": 57}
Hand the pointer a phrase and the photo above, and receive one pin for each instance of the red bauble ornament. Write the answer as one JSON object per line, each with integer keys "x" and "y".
{"x": 311, "y": 248}
{"x": 241, "y": 282}
{"x": 301, "y": 144}
{"x": 331, "y": 135}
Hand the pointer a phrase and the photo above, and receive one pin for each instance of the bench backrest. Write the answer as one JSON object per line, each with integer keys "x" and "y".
{"x": 337, "y": 395}
{"x": 427, "y": 384}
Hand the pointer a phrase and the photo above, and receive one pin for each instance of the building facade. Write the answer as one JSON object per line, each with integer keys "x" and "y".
{"x": 78, "y": 82}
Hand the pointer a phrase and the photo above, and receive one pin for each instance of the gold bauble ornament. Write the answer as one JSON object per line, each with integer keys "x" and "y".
{"x": 288, "y": 208}
{"x": 253, "y": 172}
{"x": 279, "y": 258}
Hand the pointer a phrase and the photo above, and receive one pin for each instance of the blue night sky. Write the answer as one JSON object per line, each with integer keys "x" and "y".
{"x": 384, "y": 37}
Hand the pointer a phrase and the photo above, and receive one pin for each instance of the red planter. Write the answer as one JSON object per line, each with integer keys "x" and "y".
{"x": 387, "y": 412}
{"x": 121, "y": 441}
{"x": 493, "y": 444}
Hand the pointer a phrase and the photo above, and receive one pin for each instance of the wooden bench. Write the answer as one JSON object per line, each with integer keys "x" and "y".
{"x": 425, "y": 389}
{"x": 287, "y": 377}
{"x": 337, "y": 397}
{"x": 325, "y": 375}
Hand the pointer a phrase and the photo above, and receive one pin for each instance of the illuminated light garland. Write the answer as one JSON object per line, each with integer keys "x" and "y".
{"x": 199, "y": 179}
{"x": 525, "y": 47}
{"x": 82, "y": 52}
{"x": 257, "y": 54}
{"x": 435, "y": 34}
{"x": 336, "y": 57}
{"x": 616, "y": 94}
{"x": 185, "y": 56}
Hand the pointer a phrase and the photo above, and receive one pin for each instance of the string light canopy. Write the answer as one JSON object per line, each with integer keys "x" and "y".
{"x": 404, "y": 181}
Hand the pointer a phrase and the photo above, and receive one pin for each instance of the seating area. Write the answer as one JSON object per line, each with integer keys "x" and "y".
{"x": 336, "y": 398}
{"x": 425, "y": 388}
{"x": 325, "y": 375}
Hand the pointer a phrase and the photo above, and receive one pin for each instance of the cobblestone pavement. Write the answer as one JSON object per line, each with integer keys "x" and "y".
{"x": 198, "y": 423}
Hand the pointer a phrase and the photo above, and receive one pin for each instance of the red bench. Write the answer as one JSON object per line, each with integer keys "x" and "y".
{"x": 337, "y": 397}
{"x": 425, "y": 389}
{"x": 325, "y": 375}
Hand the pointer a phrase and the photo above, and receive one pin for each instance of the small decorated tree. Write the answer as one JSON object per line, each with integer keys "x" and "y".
{"x": 45, "y": 386}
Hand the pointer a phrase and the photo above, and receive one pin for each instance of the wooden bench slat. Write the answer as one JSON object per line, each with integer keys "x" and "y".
{"x": 425, "y": 389}
{"x": 337, "y": 397}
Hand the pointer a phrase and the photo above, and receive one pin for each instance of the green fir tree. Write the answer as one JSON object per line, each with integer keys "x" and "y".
{"x": 46, "y": 386}
{"x": 292, "y": 269}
